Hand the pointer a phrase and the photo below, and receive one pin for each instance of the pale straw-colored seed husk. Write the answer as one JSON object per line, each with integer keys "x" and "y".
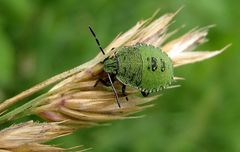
{"x": 29, "y": 136}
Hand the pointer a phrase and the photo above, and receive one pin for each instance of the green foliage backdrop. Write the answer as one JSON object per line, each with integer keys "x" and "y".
{"x": 41, "y": 38}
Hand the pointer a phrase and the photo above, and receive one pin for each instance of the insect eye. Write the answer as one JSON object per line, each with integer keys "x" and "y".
{"x": 154, "y": 63}
{"x": 163, "y": 67}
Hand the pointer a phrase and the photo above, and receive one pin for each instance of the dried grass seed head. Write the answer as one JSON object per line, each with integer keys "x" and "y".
{"x": 31, "y": 133}
{"x": 76, "y": 100}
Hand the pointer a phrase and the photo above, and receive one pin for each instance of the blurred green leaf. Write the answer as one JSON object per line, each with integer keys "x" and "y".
{"x": 6, "y": 60}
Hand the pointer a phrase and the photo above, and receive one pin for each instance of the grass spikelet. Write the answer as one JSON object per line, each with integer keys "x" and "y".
{"x": 29, "y": 136}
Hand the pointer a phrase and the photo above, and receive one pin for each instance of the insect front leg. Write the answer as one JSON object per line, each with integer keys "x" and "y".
{"x": 102, "y": 81}
{"x": 124, "y": 91}
{"x": 111, "y": 79}
{"x": 105, "y": 82}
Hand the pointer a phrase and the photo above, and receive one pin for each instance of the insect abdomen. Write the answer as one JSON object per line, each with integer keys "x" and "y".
{"x": 157, "y": 69}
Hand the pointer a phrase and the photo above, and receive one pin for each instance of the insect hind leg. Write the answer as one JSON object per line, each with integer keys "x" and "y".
{"x": 145, "y": 94}
{"x": 124, "y": 91}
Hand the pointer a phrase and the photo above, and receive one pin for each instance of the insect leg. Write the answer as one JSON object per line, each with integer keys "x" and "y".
{"x": 104, "y": 82}
{"x": 144, "y": 93}
{"x": 124, "y": 91}
{"x": 114, "y": 90}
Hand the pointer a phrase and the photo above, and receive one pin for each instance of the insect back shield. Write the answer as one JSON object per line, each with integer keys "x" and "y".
{"x": 142, "y": 66}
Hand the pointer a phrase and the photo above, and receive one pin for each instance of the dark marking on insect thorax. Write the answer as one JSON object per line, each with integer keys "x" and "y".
{"x": 124, "y": 70}
{"x": 132, "y": 77}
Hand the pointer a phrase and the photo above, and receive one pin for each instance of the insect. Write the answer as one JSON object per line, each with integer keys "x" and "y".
{"x": 144, "y": 67}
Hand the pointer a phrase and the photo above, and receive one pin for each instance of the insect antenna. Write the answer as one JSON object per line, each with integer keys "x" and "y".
{"x": 114, "y": 90}
{"x": 98, "y": 43}
{"x": 109, "y": 77}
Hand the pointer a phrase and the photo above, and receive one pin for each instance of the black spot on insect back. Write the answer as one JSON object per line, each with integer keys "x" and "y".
{"x": 154, "y": 63}
{"x": 163, "y": 66}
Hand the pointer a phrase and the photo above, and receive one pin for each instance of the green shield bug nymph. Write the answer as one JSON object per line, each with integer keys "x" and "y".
{"x": 141, "y": 66}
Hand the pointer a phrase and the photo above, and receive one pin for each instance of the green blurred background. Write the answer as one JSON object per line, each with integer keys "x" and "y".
{"x": 41, "y": 38}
